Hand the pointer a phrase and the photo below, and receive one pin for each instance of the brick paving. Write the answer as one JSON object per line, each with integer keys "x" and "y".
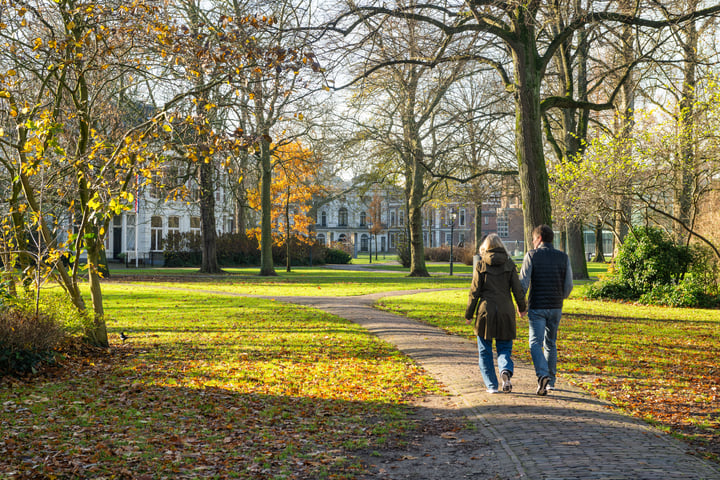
{"x": 567, "y": 435}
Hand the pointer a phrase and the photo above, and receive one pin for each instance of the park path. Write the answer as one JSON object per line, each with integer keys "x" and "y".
{"x": 566, "y": 435}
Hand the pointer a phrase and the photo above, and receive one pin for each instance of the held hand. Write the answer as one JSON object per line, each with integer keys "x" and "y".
{"x": 467, "y": 321}
{"x": 523, "y": 313}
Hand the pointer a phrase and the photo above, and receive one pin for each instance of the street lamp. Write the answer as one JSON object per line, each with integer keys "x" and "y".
{"x": 453, "y": 215}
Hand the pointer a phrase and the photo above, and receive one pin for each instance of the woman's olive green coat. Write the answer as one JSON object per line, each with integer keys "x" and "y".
{"x": 494, "y": 279}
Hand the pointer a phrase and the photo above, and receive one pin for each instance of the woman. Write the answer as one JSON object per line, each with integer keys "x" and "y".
{"x": 494, "y": 278}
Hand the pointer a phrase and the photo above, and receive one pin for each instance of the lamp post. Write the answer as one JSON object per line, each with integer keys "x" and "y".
{"x": 452, "y": 228}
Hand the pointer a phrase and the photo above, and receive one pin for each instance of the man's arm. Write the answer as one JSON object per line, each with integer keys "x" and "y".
{"x": 568, "y": 285}
{"x": 526, "y": 273}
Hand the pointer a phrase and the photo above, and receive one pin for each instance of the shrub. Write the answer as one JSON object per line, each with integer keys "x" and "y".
{"x": 649, "y": 258}
{"x": 27, "y": 340}
{"x": 611, "y": 287}
{"x": 336, "y": 256}
{"x": 685, "y": 294}
{"x": 438, "y": 254}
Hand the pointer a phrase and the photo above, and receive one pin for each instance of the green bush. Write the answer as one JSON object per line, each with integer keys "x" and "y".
{"x": 403, "y": 253}
{"x": 685, "y": 294}
{"x": 336, "y": 256}
{"x": 648, "y": 257}
{"x": 612, "y": 287}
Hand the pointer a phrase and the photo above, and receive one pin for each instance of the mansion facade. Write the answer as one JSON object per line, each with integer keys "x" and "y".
{"x": 138, "y": 236}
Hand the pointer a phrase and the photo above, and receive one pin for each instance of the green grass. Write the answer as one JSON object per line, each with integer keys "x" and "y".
{"x": 656, "y": 363}
{"x": 305, "y": 281}
{"x": 211, "y": 387}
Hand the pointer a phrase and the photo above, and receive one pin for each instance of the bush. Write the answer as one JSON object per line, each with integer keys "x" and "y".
{"x": 611, "y": 287}
{"x": 27, "y": 340}
{"x": 438, "y": 254}
{"x": 336, "y": 256}
{"x": 685, "y": 294}
{"x": 649, "y": 258}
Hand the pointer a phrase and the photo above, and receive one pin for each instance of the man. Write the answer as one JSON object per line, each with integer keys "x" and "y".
{"x": 546, "y": 272}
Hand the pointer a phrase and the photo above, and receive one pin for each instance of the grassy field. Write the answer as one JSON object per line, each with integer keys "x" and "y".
{"x": 210, "y": 387}
{"x": 657, "y": 363}
{"x": 305, "y": 281}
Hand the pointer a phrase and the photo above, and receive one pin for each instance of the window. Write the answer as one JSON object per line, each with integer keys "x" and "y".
{"x": 343, "y": 217}
{"x": 323, "y": 219}
{"x": 321, "y": 239}
{"x": 401, "y": 218}
{"x": 364, "y": 243}
{"x": 461, "y": 239}
{"x": 156, "y": 234}
{"x": 173, "y": 224}
{"x": 194, "y": 224}
{"x": 130, "y": 232}
{"x": 448, "y": 239}
{"x": 392, "y": 240}
{"x": 392, "y": 218}
{"x": 342, "y": 238}
{"x": 461, "y": 217}
{"x": 502, "y": 225}
{"x": 487, "y": 219}
{"x": 363, "y": 219}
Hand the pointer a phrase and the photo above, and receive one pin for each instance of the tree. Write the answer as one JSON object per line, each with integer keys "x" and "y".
{"x": 525, "y": 46}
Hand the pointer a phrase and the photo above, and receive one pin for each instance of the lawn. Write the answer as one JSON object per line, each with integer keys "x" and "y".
{"x": 305, "y": 281}
{"x": 210, "y": 387}
{"x": 657, "y": 363}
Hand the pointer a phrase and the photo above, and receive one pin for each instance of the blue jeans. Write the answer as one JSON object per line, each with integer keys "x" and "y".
{"x": 544, "y": 325}
{"x": 487, "y": 367}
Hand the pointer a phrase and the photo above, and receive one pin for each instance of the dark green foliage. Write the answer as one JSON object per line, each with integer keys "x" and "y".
{"x": 26, "y": 341}
{"x": 336, "y": 256}
{"x": 235, "y": 249}
{"x": 612, "y": 287}
{"x": 653, "y": 270}
{"x": 649, "y": 258}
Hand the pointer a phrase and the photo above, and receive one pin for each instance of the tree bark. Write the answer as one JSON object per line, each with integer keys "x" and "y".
{"x": 599, "y": 244}
{"x": 207, "y": 222}
{"x": 267, "y": 267}
{"x": 576, "y": 249}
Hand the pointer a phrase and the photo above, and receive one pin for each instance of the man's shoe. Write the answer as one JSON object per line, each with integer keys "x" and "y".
{"x": 492, "y": 390}
{"x": 542, "y": 385}
{"x": 506, "y": 385}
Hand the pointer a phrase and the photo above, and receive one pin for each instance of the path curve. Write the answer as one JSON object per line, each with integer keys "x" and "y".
{"x": 566, "y": 435}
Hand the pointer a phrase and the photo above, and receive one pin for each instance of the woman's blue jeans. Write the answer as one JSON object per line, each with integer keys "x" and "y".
{"x": 504, "y": 360}
{"x": 544, "y": 325}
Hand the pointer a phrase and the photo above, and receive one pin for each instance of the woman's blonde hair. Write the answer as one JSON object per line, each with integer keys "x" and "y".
{"x": 491, "y": 242}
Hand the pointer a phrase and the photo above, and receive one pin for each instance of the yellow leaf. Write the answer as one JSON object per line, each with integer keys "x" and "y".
{"x": 167, "y": 128}
{"x": 11, "y": 73}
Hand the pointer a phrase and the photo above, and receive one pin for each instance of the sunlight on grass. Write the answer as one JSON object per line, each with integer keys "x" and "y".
{"x": 301, "y": 281}
{"x": 213, "y": 387}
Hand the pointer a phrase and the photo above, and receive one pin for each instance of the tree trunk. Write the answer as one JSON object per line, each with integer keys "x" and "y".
{"x": 267, "y": 268}
{"x": 207, "y": 216}
{"x": 417, "y": 249}
{"x": 686, "y": 169}
{"x": 576, "y": 249}
{"x": 478, "y": 225}
{"x": 599, "y": 244}
{"x": 98, "y": 334}
{"x": 533, "y": 177}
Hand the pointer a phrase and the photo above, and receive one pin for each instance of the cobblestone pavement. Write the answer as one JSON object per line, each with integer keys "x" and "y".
{"x": 566, "y": 435}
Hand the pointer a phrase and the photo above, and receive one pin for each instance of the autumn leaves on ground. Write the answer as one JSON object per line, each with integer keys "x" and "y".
{"x": 213, "y": 386}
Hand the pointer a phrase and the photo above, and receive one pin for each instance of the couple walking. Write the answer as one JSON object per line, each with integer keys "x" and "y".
{"x": 546, "y": 272}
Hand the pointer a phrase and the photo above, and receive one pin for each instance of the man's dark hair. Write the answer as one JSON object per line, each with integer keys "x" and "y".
{"x": 545, "y": 233}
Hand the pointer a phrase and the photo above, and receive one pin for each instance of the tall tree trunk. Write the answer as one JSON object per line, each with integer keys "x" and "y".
{"x": 207, "y": 222}
{"x": 478, "y": 225}
{"x": 98, "y": 334}
{"x": 686, "y": 170}
{"x": 534, "y": 189}
{"x": 576, "y": 249}
{"x": 267, "y": 268}
{"x": 599, "y": 244}
{"x": 415, "y": 199}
